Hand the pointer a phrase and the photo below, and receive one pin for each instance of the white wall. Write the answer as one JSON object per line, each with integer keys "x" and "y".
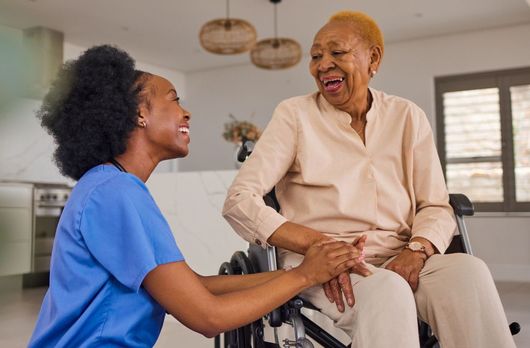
{"x": 247, "y": 92}
{"x": 26, "y": 149}
{"x": 408, "y": 70}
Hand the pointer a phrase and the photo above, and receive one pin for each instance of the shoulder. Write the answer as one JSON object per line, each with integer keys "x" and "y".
{"x": 395, "y": 106}
{"x": 295, "y": 109}
{"x": 386, "y": 100}
{"x": 107, "y": 187}
{"x": 298, "y": 103}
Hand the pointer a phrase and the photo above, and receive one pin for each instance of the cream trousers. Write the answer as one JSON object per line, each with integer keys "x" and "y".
{"x": 456, "y": 296}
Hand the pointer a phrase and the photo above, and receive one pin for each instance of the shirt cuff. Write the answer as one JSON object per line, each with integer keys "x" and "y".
{"x": 441, "y": 243}
{"x": 269, "y": 224}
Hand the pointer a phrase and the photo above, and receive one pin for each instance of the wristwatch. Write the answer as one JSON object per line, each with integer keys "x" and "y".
{"x": 417, "y": 246}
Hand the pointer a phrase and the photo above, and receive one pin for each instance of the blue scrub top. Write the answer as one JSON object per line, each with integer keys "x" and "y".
{"x": 110, "y": 235}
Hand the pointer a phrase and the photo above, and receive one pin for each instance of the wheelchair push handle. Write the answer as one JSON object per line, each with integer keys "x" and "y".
{"x": 245, "y": 150}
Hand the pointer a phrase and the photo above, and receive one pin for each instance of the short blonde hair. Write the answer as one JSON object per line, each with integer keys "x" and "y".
{"x": 368, "y": 28}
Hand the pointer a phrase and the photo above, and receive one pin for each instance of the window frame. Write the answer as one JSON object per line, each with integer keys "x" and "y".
{"x": 503, "y": 80}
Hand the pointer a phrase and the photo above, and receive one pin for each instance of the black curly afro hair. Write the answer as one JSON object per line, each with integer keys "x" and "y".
{"x": 92, "y": 107}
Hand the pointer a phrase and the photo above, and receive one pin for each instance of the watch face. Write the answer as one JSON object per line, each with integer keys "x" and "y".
{"x": 415, "y": 246}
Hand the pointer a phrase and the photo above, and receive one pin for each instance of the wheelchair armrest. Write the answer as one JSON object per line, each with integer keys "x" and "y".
{"x": 461, "y": 204}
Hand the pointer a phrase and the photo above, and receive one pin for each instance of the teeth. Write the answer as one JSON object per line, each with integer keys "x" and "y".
{"x": 184, "y": 130}
{"x": 327, "y": 82}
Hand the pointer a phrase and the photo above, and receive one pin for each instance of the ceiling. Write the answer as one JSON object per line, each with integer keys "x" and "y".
{"x": 165, "y": 32}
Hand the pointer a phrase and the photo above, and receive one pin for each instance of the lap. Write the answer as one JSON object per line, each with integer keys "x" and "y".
{"x": 442, "y": 276}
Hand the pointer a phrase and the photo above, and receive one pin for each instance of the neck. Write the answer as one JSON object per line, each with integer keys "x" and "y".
{"x": 360, "y": 106}
{"x": 136, "y": 160}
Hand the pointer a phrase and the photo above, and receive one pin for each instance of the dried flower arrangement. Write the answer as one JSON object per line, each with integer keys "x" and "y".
{"x": 238, "y": 131}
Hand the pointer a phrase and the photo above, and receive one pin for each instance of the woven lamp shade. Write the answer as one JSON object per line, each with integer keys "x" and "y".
{"x": 276, "y": 53}
{"x": 227, "y": 36}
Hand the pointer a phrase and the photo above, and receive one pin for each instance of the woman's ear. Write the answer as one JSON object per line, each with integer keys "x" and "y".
{"x": 375, "y": 59}
{"x": 142, "y": 120}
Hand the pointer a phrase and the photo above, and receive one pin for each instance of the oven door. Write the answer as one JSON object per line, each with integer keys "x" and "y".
{"x": 49, "y": 204}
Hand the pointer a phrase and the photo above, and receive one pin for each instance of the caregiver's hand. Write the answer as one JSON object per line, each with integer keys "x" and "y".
{"x": 327, "y": 259}
{"x": 341, "y": 285}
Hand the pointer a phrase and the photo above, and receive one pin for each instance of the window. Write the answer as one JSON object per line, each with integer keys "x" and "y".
{"x": 483, "y": 134}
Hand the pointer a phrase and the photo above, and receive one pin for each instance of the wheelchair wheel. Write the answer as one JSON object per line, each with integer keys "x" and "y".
{"x": 241, "y": 263}
{"x": 249, "y": 336}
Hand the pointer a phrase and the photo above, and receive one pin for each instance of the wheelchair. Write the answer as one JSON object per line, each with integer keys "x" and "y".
{"x": 260, "y": 260}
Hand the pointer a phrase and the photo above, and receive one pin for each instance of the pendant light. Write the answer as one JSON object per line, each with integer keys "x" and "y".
{"x": 277, "y": 52}
{"x": 227, "y": 35}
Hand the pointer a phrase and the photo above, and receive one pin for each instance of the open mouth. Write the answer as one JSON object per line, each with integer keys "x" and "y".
{"x": 332, "y": 84}
{"x": 184, "y": 130}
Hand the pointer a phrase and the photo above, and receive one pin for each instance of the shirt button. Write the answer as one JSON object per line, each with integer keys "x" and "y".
{"x": 258, "y": 242}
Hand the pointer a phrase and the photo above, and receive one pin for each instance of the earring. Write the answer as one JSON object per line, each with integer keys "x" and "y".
{"x": 372, "y": 73}
{"x": 143, "y": 124}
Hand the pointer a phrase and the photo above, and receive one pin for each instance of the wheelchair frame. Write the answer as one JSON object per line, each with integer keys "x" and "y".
{"x": 260, "y": 260}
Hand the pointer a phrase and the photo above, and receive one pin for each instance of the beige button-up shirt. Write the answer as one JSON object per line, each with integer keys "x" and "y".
{"x": 390, "y": 189}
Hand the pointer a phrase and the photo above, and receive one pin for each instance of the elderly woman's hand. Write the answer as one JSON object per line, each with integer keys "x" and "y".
{"x": 408, "y": 264}
{"x": 341, "y": 285}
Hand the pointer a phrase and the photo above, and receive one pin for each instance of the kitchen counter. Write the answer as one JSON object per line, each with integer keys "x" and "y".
{"x": 192, "y": 203}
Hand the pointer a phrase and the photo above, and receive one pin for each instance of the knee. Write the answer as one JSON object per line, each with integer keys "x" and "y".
{"x": 391, "y": 286}
{"x": 470, "y": 267}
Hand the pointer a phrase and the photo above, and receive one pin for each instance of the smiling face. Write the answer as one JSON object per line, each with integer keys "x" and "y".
{"x": 341, "y": 63}
{"x": 166, "y": 123}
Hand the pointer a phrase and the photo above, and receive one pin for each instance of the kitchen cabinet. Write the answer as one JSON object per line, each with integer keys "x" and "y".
{"x": 16, "y": 226}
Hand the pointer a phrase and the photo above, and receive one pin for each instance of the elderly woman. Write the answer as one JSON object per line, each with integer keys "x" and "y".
{"x": 349, "y": 161}
{"x": 116, "y": 269}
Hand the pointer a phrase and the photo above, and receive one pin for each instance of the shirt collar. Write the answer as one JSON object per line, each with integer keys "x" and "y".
{"x": 327, "y": 108}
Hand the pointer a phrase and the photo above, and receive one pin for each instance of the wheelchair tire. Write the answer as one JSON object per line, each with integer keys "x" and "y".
{"x": 241, "y": 263}
{"x": 249, "y": 336}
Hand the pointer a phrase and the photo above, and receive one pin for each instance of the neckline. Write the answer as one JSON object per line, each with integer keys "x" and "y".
{"x": 118, "y": 165}
{"x": 327, "y": 107}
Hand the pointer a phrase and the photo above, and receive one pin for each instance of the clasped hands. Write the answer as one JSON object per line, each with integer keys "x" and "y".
{"x": 407, "y": 264}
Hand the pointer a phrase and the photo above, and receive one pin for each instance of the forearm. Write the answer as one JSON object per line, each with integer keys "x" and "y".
{"x": 179, "y": 290}
{"x": 222, "y": 284}
{"x": 295, "y": 237}
{"x": 239, "y": 307}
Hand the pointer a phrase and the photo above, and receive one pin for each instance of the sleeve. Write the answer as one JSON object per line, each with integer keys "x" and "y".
{"x": 126, "y": 233}
{"x": 273, "y": 155}
{"x": 434, "y": 219}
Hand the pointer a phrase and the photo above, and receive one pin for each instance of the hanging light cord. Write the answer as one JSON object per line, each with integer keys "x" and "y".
{"x": 275, "y": 20}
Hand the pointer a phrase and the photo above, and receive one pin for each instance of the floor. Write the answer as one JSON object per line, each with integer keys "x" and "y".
{"x": 19, "y": 309}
